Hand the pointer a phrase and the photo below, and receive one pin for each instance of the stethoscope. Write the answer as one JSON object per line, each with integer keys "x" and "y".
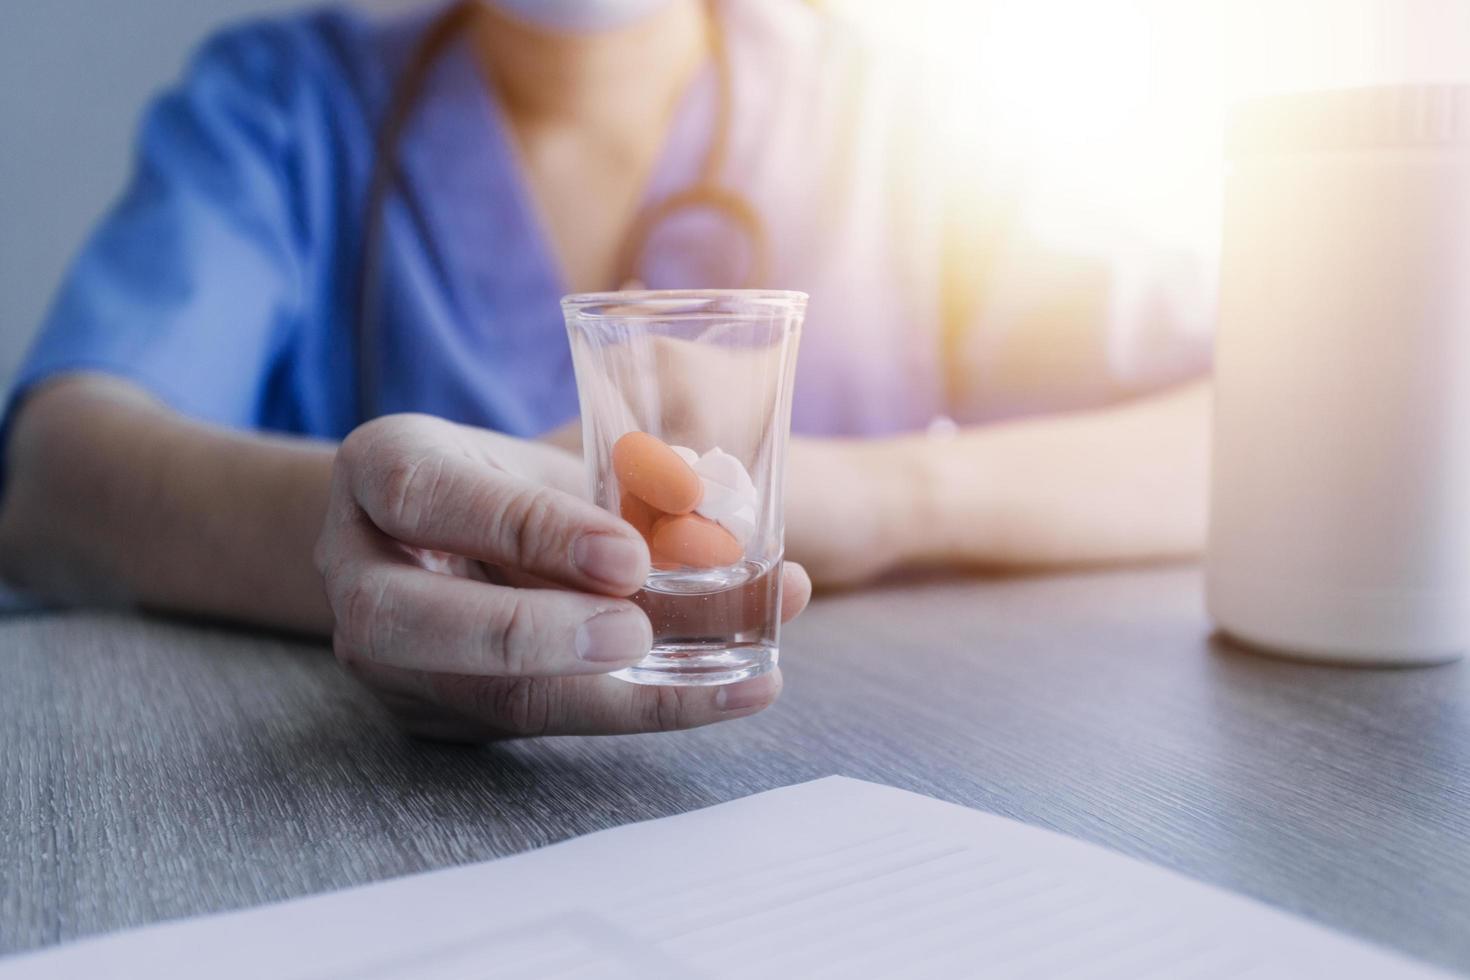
{"x": 706, "y": 194}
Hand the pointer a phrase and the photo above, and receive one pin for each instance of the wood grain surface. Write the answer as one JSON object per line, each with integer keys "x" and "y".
{"x": 155, "y": 769}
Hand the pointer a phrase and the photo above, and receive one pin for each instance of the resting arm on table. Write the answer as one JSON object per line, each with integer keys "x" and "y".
{"x": 1119, "y": 484}
{"x": 459, "y": 577}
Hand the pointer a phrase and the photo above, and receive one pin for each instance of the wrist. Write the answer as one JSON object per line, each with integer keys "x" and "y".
{"x": 947, "y": 509}
{"x": 895, "y": 475}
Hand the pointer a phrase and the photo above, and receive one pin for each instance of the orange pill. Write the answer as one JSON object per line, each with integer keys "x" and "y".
{"x": 638, "y": 514}
{"x": 648, "y": 469}
{"x": 693, "y": 542}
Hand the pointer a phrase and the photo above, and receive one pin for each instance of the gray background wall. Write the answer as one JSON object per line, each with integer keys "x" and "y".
{"x": 74, "y": 75}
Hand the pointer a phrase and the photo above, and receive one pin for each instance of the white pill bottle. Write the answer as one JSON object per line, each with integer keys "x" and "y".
{"x": 1340, "y": 498}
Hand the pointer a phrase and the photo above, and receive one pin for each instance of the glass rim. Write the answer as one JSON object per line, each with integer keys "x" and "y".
{"x": 742, "y": 302}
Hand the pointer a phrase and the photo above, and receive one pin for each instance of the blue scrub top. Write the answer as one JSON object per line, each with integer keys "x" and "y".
{"x": 226, "y": 279}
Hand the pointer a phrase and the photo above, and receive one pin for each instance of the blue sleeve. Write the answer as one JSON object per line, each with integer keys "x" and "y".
{"x": 192, "y": 286}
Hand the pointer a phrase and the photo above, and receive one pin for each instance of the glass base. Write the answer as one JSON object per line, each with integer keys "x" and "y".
{"x": 697, "y": 664}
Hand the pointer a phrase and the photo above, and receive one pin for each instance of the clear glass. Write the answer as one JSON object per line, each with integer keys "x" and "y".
{"x": 686, "y": 403}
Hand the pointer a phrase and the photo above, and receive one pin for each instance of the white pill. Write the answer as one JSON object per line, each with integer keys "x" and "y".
{"x": 741, "y": 524}
{"x": 729, "y": 493}
{"x": 718, "y": 466}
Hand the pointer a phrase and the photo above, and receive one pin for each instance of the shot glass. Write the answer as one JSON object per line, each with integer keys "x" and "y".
{"x": 686, "y": 412}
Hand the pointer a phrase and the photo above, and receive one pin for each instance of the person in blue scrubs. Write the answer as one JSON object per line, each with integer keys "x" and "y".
{"x": 205, "y": 423}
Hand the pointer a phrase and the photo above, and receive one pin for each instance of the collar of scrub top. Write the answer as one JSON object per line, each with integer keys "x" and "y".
{"x": 434, "y": 95}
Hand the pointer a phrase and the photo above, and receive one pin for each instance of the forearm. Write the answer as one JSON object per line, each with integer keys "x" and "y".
{"x": 1126, "y": 483}
{"x": 114, "y": 498}
{"x": 1120, "y": 484}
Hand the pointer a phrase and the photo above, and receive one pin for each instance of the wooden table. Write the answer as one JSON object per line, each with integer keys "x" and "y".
{"x": 154, "y": 769}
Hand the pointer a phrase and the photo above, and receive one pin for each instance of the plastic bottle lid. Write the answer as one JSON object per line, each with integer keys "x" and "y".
{"x": 1352, "y": 119}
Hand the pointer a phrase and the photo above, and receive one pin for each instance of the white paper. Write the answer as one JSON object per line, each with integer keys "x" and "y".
{"x": 835, "y": 878}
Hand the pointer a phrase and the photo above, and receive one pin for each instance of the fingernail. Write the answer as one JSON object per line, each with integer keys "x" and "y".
{"x": 610, "y": 558}
{"x": 614, "y": 636}
{"x": 745, "y": 694}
